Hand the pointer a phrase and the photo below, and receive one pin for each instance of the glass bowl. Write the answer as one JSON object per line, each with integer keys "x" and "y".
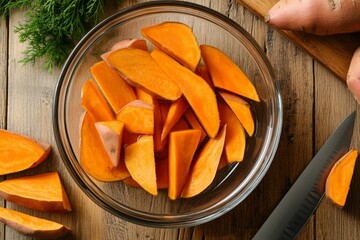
{"x": 232, "y": 184}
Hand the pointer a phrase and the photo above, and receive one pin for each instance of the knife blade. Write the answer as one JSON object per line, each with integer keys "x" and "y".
{"x": 299, "y": 203}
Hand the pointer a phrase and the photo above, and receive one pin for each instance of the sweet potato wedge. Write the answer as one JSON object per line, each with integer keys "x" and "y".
{"x": 339, "y": 179}
{"x": 116, "y": 90}
{"x": 42, "y": 192}
{"x": 32, "y": 226}
{"x": 138, "y": 68}
{"x": 177, "y": 40}
{"x": 205, "y": 165}
{"x": 138, "y": 117}
{"x": 111, "y": 135}
{"x": 235, "y": 141}
{"x": 158, "y": 119}
{"x": 140, "y": 161}
{"x": 197, "y": 92}
{"x": 242, "y": 110}
{"x": 93, "y": 156}
{"x": 125, "y": 43}
{"x": 225, "y": 74}
{"x": 182, "y": 147}
{"x": 18, "y": 153}
{"x": 93, "y": 101}
{"x": 176, "y": 110}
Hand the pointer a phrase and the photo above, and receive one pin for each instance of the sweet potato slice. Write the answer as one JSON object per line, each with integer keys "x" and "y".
{"x": 18, "y": 153}
{"x": 194, "y": 123}
{"x": 176, "y": 110}
{"x": 93, "y": 156}
{"x": 197, "y": 92}
{"x": 138, "y": 68}
{"x": 43, "y": 192}
{"x": 182, "y": 147}
{"x": 225, "y": 74}
{"x": 116, "y": 90}
{"x": 140, "y": 161}
{"x": 339, "y": 178}
{"x": 177, "y": 40}
{"x": 138, "y": 117}
{"x": 205, "y": 165}
{"x": 235, "y": 141}
{"x": 32, "y": 226}
{"x": 241, "y": 109}
{"x": 111, "y": 135}
{"x": 126, "y": 43}
{"x": 93, "y": 101}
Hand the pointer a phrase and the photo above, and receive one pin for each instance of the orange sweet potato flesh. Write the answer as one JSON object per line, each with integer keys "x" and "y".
{"x": 93, "y": 156}
{"x": 225, "y": 74}
{"x": 177, "y": 40}
{"x": 111, "y": 135}
{"x": 32, "y": 226}
{"x": 158, "y": 119}
{"x": 42, "y": 192}
{"x": 194, "y": 123}
{"x": 93, "y": 101}
{"x": 146, "y": 97}
{"x": 18, "y": 153}
{"x": 182, "y": 147}
{"x": 138, "y": 117}
{"x": 140, "y": 161}
{"x": 339, "y": 178}
{"x": 126, "y": 43}
{"x": 138, "y": 68}
{"x": 235, "y": 141}
{"x": 176, "y": 110}
{"x": 116, "y": 90}
{"x": 205, "y": 165}
{"x": 241, "y": 109}
{"x": 197, "y": 92}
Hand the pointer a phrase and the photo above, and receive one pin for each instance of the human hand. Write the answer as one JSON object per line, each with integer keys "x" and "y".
{"x": 322, "y": 17}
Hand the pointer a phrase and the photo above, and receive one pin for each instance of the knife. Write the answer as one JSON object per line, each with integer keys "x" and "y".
{"x": 300, "y": 202}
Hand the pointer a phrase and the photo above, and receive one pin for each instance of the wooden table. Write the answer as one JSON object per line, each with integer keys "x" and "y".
{"x": 314, "y": 99}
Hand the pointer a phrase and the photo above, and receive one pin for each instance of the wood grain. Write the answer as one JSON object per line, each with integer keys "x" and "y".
{"x": 314, "y": 103}
{"x": 329, "y": 95}
{"x": 335, "y": 52}
{"x": 3, "y": 87}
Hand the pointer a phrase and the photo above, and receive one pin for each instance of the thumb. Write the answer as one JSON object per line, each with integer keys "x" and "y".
{"x": 353, "y": 77}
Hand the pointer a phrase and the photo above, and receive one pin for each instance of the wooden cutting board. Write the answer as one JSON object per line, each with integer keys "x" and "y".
{"x": 335, "y": 52}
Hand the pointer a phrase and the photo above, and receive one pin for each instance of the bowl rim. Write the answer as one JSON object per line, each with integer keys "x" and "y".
{"x": 149, "y": 219}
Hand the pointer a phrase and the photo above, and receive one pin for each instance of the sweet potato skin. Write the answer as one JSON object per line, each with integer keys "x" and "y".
{"x": 321, "y": 17}
{"x": 24, "y": 224}
{"x": 353, "y": 76}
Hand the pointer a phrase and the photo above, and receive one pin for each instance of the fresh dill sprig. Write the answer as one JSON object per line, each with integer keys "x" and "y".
{"x": 53, "y": 27}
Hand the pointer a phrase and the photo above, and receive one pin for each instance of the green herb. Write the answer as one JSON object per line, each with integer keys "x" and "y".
{"x": 53, "y": 27}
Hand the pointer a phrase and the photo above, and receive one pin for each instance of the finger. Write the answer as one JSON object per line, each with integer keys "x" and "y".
{"x": 353, "y": 77}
